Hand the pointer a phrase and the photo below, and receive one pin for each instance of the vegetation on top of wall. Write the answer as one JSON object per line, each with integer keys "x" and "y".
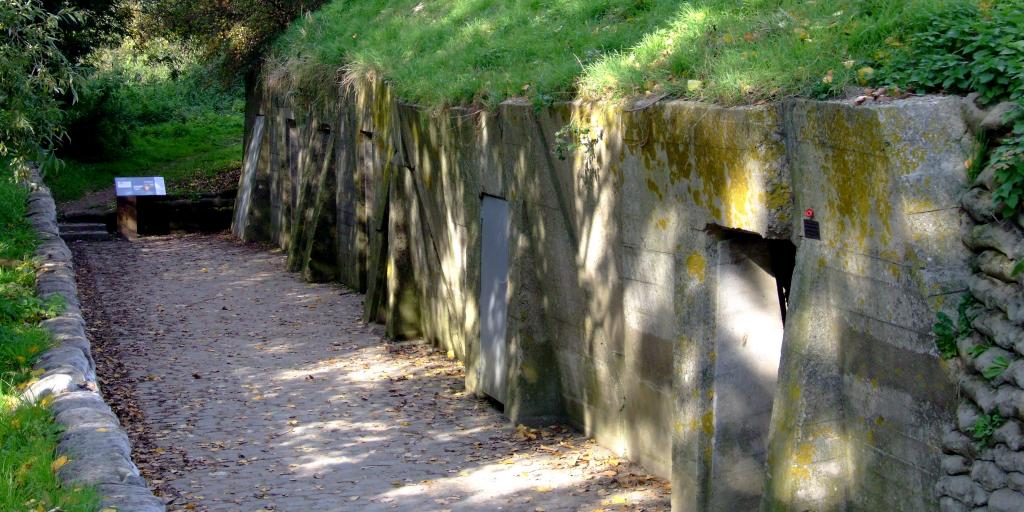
{"x": 482, "y": 51}
{"x": 28, "y": 434}
{"x": 975, "y": 49}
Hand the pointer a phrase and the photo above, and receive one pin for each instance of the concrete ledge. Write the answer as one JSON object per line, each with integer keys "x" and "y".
{"x": 98, "y": 448}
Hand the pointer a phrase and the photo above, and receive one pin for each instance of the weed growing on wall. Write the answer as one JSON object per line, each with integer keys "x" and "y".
{"x": 1007, "y": 162}
{"x": 985, "y": 426}
{"x": 947, "y": 333}
{"x": 998, "y": 366}
{"x": 945, "y": 336}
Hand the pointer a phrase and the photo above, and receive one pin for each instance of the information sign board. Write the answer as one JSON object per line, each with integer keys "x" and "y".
{"x": 153, "y": 186}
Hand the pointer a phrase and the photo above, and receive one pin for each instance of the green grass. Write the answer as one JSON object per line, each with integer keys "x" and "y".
{"x": 177, "y": 150}
{"x": 483, "y": 51}
{"x": 28, "y": 434}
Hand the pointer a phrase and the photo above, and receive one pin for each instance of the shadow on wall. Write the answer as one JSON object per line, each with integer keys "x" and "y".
{"x": 648, "y": 270}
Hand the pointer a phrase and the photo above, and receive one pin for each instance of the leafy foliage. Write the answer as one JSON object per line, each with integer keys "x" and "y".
{"x": 998, "y": 366}
{"x": 947, "y": 333}
{"x": 977, "y": 350}
{"x": 967, "y": 49}
{"x": 1007, "y": 162}
{"x": 102, "y": 24}
{"x": 985, "y": 426}
{"x": 945, "y": 336}
{"x": 975, "y": 48}
{"x": 140, "y": 83}
{"x": 234, "y": 33}
{"x": 33, "y": 72}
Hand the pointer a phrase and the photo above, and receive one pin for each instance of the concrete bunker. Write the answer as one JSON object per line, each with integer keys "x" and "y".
{"x": 620, "y": 314}
{"x": 754, "y": 276}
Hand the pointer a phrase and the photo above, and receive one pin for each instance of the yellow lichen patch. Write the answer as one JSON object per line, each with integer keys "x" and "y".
{"x": 529, "y": 373}
{"x": 856, "y": 169}
{"x": 919, "y": 204}
{"x": 696, "y": 266}
{"x": 804, "y": 454}
{"x": 663, "y": 223}
{"x": 780, "y": 198}
{"x": 707, "y": 423}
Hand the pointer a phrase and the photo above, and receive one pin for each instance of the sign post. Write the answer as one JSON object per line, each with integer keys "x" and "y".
{"x": 128, "y": 191}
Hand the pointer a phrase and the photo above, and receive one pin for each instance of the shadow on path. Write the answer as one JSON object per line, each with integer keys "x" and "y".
{"x": 246, "y": 389}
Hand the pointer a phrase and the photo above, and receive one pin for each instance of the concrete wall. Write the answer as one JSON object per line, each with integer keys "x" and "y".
{"x": 616, "y": 310}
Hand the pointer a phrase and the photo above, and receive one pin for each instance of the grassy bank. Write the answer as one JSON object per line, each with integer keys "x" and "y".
{"x": 180, "y": 151}
{"x": 482, "y": 51}
{"x": 28, "y": 434}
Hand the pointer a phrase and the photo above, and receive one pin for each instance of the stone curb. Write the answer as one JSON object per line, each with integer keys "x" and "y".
{"x": 98, "y": 449}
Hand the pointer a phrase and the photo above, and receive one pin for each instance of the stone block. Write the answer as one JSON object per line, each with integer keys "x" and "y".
{"x": 963, "y": 489}
{"x": 1005, "y": 500}
{"x": 129, "y": 498}
{"x": 78, "y": 399}
{"x": 1010, "y": 435}
{"x": 955, "y": 465}
{"x": 947, "y": 504}
{"x": 988, "y": 475}
{"x": 954, "y": 442}
{"x": 1008, "y": 460}
{"x": 1015, "y": 481}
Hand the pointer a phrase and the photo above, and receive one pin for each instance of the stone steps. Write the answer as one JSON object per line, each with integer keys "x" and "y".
{"x": 87, "y": 231}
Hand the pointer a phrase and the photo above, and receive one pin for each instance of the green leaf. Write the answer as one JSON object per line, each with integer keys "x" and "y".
{"x": 998, "y": 366}
{"x": 977, "y": 350}
{"x": 1018, "y": 268}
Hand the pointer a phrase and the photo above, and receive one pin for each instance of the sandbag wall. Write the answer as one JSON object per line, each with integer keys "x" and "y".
{"x": 984, "y": 463}
{"x": 634, "y": 231}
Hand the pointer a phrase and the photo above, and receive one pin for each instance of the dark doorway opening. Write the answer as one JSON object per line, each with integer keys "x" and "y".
{"x": 754, "y": 276}
{"x": 783, "y": 259}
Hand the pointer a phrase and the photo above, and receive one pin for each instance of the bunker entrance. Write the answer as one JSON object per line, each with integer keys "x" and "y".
{"x": 754, "y": 277}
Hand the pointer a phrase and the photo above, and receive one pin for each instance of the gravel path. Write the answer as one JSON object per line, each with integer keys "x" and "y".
{"x": 246, "y": 389}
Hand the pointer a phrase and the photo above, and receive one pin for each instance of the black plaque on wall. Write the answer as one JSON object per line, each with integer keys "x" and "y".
{"x": 812, "y": 229}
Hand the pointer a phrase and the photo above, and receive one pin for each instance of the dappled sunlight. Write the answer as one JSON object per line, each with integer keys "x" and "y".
{"x": 292, "y": 398}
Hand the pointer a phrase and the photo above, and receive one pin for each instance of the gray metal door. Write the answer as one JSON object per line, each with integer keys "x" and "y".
{"x": 494, "y": 221}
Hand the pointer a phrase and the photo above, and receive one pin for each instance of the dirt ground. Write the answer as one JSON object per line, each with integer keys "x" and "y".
{"x": 245, "y": 388}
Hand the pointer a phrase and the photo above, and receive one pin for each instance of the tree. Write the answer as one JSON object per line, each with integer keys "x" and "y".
{"x": 233, "y": 32}
{"x": 33, "y": 73}
{"x": 103, "y": 22}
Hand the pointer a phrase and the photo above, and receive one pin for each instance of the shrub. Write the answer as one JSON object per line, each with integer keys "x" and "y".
{"x": 32, "y": 73}
{"x": 139, "y": 84}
